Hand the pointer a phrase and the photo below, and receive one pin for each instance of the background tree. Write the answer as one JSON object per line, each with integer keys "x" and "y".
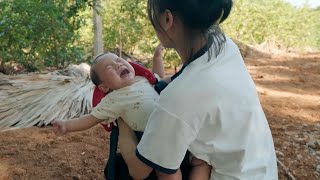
{"x": 256, "y": 22}
{"x": 97, "y": 28}
{"x": 38, "y": 33}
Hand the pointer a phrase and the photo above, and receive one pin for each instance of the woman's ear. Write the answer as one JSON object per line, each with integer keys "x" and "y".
{"x": 167, "y": 20}
{"x": 103, "y": 88}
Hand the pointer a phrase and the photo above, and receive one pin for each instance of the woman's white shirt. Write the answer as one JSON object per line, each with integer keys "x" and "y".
{"x": 212, "y": 109}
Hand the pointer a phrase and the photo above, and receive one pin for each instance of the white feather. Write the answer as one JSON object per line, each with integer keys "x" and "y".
{"x": 38, "y": 99}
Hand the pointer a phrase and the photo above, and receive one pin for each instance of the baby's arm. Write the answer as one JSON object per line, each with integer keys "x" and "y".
{"x": 157, "y": 61}
{"x": 158, "y": 68}
{"x": 77, "y": 124}
{"x": 200, "y": 169}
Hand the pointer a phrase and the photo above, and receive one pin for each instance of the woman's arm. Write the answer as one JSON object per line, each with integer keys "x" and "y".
{"x": 127, "y": 145}
{"x": 137, "y": 169}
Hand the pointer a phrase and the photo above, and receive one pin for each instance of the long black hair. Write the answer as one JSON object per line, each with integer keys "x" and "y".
{"x": 198, "y": 16}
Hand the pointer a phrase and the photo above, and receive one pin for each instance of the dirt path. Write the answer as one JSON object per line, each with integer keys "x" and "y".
{"x": 36, "y": 153}
{"x": 289, "y": 89}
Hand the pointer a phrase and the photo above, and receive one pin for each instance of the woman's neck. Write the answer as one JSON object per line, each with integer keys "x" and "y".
{"x": 186, "y": 51}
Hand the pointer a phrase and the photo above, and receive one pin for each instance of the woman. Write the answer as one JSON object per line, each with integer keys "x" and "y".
{"x": 211, "y": 107}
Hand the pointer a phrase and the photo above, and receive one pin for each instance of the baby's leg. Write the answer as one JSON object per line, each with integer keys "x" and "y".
{"x": 200, "y": 169}
{"x": 175, "y": 176}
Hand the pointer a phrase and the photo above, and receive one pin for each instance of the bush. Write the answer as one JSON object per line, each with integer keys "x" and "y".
{"x": 38, "y": 33}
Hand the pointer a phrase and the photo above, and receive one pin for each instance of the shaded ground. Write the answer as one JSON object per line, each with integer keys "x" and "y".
{"x": 289, "y": 89}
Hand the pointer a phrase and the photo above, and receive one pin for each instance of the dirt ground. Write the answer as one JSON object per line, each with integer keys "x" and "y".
{"x": 289, "y": 89}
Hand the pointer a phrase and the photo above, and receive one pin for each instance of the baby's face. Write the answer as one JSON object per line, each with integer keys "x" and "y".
{"x": 114, "y": 72}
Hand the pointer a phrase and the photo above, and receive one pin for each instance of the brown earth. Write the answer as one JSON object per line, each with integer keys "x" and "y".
{"x": 289, "y": 89}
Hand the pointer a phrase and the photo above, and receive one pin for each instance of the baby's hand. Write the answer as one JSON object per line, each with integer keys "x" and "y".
{"x": 59, "y": 128}
{"x": 158, "y": 51}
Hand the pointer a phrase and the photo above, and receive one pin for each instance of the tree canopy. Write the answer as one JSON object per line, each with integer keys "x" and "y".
{"x": 40, "y": 33}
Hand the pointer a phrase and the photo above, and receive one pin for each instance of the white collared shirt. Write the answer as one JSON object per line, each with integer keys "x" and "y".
{"x": 212, "y": 109}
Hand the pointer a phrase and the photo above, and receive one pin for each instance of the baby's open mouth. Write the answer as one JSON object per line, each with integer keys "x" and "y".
{"x": 124, "y": 72}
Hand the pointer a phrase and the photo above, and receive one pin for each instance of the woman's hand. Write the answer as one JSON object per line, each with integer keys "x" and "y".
{"x": 200, "y": 169}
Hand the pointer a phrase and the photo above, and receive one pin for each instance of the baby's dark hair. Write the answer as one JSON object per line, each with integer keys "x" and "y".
{"x": 198, "y": 16}
{"x": 93, "y": 74}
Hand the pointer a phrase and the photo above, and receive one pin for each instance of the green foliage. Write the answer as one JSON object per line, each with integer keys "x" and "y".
{"x": 251, "y": 21}
{"x": 37, "y": 33}
{"x": 127, "y": 26}
{"x": 255, "y": 22}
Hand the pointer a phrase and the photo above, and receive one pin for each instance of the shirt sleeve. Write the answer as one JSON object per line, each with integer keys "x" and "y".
{"x": 165, "y": 141}
{"x": 109, "y": 109}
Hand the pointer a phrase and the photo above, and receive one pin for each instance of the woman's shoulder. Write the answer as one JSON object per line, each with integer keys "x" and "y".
{"x": 177, "y": 93}
{"x": 231, "y": 45}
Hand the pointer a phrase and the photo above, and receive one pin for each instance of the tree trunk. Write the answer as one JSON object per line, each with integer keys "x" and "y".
{"x": 97, "y": 25}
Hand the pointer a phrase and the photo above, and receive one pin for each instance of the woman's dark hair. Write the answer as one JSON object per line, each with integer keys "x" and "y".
{"x": 198, "y": 16}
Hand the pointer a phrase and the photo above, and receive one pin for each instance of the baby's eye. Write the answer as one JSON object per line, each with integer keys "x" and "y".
{"x": 108, "y": 67}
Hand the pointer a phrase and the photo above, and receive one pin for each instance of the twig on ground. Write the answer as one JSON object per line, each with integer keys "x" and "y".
{"x": 286, "y": 170}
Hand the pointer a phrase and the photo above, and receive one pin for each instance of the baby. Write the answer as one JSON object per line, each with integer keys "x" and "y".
{"x": 131, "y": 98}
